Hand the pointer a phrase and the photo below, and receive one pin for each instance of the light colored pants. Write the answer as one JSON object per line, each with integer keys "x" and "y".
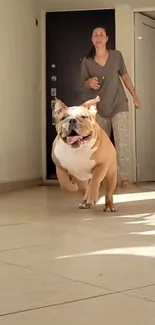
{"x": 120, "y": 125}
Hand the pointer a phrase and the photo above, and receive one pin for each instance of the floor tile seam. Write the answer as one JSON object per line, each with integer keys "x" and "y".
{"x": 73, "y": 302}
{"x": 20, "y": 248}
{"x": 14, "y": 224}
{"x": 56, "y": 276}
{"x": 138, "y": 288}
{"x": 111, "y": 290}
{"x": 137, "y": 297}
{"x": 58, "y": 304}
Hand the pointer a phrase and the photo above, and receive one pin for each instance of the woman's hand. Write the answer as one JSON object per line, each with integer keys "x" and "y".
{"x": 129, "y": 85}
{"x": 136, "y": 102}
{"x": 93, "y": 83}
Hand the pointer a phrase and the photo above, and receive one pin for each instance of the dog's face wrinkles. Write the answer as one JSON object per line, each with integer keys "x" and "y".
{"x": 75, "y": 125}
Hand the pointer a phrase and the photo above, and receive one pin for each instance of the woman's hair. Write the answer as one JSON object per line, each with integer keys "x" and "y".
{"x": 92, "y": 52}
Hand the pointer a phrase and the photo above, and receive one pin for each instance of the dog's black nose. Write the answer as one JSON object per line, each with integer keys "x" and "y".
{"x": 72, "y": 121}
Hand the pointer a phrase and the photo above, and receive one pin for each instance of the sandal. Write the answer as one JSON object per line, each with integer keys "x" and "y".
{"x": 126, "y": 184}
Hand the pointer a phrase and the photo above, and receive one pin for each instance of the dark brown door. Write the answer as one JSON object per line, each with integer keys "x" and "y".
{"x": 68, "y": 37}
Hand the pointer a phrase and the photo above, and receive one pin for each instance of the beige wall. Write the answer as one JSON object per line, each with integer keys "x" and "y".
{"x": 125, "y": 43}
{"x": 20, "y": 118}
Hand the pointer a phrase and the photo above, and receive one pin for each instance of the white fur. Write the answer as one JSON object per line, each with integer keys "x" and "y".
{"x": 77, "y": 161}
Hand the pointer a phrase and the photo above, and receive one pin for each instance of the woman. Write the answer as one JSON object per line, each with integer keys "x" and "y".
{"x": 102, "y": 72}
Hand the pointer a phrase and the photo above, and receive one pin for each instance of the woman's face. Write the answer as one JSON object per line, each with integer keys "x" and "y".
{"x": 99, "y": 37}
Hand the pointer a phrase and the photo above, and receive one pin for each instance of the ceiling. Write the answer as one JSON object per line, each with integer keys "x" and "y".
{"x": 66, "y": 5}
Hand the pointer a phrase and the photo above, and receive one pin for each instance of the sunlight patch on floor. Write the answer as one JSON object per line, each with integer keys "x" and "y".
{"x": 130, "y": 197}
{"x": 144, "y": 233}
{"x": 134, "y": 216}
{"x": 148, "y": 220}
{"x": 145, "y": 251}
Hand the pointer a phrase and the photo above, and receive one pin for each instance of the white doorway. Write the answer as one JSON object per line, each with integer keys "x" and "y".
{"x": 145, "y": 88}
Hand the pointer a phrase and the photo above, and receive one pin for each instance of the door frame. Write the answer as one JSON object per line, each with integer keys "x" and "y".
{"x": 43, "y": 86}
{"x": 43, "y": 93}
{"x": 136, "y": 10}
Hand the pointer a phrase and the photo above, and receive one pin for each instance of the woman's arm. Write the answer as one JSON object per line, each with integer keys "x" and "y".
{"x": 84, "y": 73}
{"x": 87, "y": 81}
{"x": 92, "y": 83}
{"x": 129, "y": 85}
{"x": 86, "y": 84}
{"x": 127, "y": 80}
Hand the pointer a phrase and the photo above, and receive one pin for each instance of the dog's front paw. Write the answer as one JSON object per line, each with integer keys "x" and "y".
{"x": 90, "y": 198}
{"x": 85, "y": 205}
{"x": 91, "y": 195}
{"x": 109, "y": 207}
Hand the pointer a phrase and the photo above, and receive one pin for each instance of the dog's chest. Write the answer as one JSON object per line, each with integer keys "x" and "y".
{"x": 77, "y": 161}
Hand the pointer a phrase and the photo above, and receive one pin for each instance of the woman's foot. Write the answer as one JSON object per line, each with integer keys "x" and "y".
{"x": 126, "y": 184}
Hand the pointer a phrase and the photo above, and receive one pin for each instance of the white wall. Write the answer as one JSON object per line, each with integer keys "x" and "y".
{"x": 125, "y": 43}
{"x": 20, "y": 118}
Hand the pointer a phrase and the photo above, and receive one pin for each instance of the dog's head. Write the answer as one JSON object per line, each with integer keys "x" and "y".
{"x": 75, "y": 125}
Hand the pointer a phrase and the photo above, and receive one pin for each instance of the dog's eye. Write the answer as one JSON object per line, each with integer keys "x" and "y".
{"x": 63, "y": 118}
{"x": 84, "y": 117}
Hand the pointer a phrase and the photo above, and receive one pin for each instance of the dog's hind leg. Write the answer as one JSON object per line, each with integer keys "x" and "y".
{"x": 82, "y": 186}
{"x": 65, "y": 181}
{"x": 110, "y": 186}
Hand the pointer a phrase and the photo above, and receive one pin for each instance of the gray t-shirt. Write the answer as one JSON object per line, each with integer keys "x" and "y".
{"x": 112, "y": 95}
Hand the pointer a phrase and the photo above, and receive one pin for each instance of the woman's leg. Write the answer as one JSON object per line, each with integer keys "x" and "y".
{"x": 104, "y": 123}
{"x": 120, "y": 124}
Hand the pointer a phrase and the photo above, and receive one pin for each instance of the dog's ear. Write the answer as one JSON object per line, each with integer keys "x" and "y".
{"x": 59, "y": 106}
{"x": 91, "y": 105}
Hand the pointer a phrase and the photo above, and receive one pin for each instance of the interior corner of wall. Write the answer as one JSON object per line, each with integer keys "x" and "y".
{"x": 123, "y": 22}
{"x": 124, "y": 43}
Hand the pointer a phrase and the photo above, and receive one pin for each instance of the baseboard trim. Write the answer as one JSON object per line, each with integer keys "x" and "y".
{"x": 19, "y": 185}
{"x": 51, "y": 182}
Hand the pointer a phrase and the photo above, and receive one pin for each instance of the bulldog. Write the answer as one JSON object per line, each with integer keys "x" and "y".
{"x": 83, "y": 154}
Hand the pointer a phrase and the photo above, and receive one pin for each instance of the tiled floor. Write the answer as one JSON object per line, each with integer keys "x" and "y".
{"x": 63, "y": 266}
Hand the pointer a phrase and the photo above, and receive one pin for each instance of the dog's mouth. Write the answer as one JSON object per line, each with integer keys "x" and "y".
{"x": 75, "y": 139}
